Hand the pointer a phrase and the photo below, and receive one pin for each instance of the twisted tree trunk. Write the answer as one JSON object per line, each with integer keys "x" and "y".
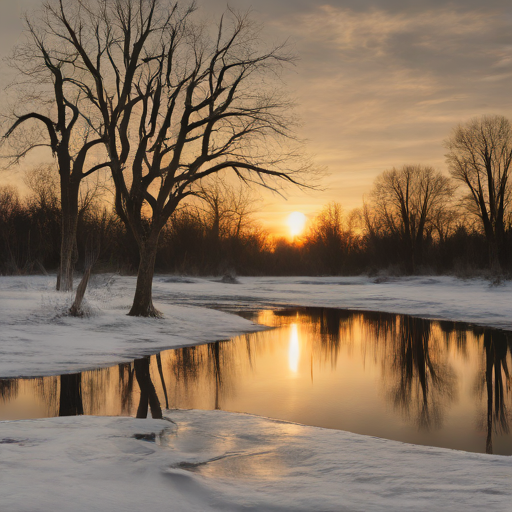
{"x": 143, "y": 300}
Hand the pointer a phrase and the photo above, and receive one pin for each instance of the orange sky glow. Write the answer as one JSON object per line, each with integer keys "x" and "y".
{"x": 377, "y": 84}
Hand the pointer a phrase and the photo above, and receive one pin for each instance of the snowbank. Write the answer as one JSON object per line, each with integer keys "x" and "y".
{"x": 221, "y": 461}
{"x": 38, "y": 338}
{"x": 444, "y": 298}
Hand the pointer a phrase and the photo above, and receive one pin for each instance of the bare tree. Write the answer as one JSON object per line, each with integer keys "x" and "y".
{"x": 50, "y": 115}
{"x": 178, "y": 104}
{"x": 227, "y": 209}
{"x": 43, "y": 183}
{"x": 480, "y": 155}
{"x": 406, "y": 203}
{"x": 10, "y": 207}
{"x": 91, "y": 256}
{"x": 328, "y": 237}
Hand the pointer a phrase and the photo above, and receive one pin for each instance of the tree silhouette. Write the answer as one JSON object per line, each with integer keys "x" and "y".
{"x": 148, "y": 394}
{"x": 480, "y": 156}
{"x": 177, "y": 105}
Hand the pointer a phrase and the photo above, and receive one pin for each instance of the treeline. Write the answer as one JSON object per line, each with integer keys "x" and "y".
{"x": 414, "y": 220}
{"x": 219, "y": 236}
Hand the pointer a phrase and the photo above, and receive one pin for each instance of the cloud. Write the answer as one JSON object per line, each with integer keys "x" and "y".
{"x": 377, "y": 74}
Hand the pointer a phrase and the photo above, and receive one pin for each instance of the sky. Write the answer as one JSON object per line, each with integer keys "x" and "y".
{"x": 377, "y": 84}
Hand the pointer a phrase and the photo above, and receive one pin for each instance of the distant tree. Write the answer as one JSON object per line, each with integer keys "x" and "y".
{"x": 43, "y": 184}
{"x": 44, "y": 211}
{"x": 226, "y": 211}
{"x": 178, "y": 104}
{"x": 406, "y": 203}
{"x": 480, "y": 156}
{"x": 10, "y": 208}
{"x": 444, "y": 223}
{"x": 327, "y": 239}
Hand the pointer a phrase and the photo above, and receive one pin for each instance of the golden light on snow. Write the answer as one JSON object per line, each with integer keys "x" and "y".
{"x": 296, "y": 222}
{"x": 293, "y": 349}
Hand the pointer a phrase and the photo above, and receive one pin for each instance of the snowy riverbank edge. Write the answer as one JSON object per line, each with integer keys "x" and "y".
{"x": 37, "y": 338}
{"x": 213, "y": 460}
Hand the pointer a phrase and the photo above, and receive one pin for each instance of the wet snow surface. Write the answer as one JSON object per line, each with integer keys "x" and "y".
{"x": 221, "y": 461}
{"x": 211, "y": 460}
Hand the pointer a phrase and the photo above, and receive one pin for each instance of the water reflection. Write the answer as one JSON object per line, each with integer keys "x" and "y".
{"x": 70, "y": 402}
{"x": 147, "y": 389}
{"x": 424, "y": 379}
{"x": 294, "y": 350}
{"x": 392, "y": 376}
{"x": 496, "y": 382}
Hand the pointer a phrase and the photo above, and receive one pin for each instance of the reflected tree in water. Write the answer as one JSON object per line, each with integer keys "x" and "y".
{"x": 71, "y": 395}
{"x": 126, "y": 375}
{"x": 423, "y": 383}
{"x": 42, "y": 388}
{"x": 46, "y": 388}
{"x": 496, "y": 382}
{"x": 380, "y": 325}
{"x": 148, "y": 396}
{"x": 186, "y": 364}
{"x": 378, "y": 332}
{"x": 8, "y": 389}
{"x": 455, "y": 332}
{"x": 202, "y": 372}
{"x": 162, "y": 379}
{"x": 214, "y": 358}
{"x": 332, "y": 326}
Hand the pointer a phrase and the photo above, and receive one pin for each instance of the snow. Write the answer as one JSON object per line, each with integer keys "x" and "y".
{"x": 222, "y": 461}
{"x": 38, "y": 338}
{"x": 212, "y": 460}
{"x": 442, "y": 297}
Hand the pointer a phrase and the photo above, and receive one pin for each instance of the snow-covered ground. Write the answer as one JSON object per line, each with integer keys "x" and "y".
{"x": 447, "y": 298}
{"x": 38, "y": 338}
{"x": 215, "y": 460}
{"x": 233, "y": 462}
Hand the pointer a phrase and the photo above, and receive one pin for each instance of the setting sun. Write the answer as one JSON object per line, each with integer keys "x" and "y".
{"x": 296, "y": 222}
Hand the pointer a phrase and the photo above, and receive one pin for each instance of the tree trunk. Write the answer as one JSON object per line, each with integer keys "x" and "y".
{"x": 69, "y": 207}
{"x": 143, "y": 300}
{"x": 76, "y": 308}
{"x": 494, "y": 256}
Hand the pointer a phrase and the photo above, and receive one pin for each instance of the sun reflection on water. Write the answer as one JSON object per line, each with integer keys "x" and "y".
{"x": 392, "y": 376}
{"x": 294, "y": 350}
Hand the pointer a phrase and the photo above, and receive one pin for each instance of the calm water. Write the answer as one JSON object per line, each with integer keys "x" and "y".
{"x": 393, "y": 376}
